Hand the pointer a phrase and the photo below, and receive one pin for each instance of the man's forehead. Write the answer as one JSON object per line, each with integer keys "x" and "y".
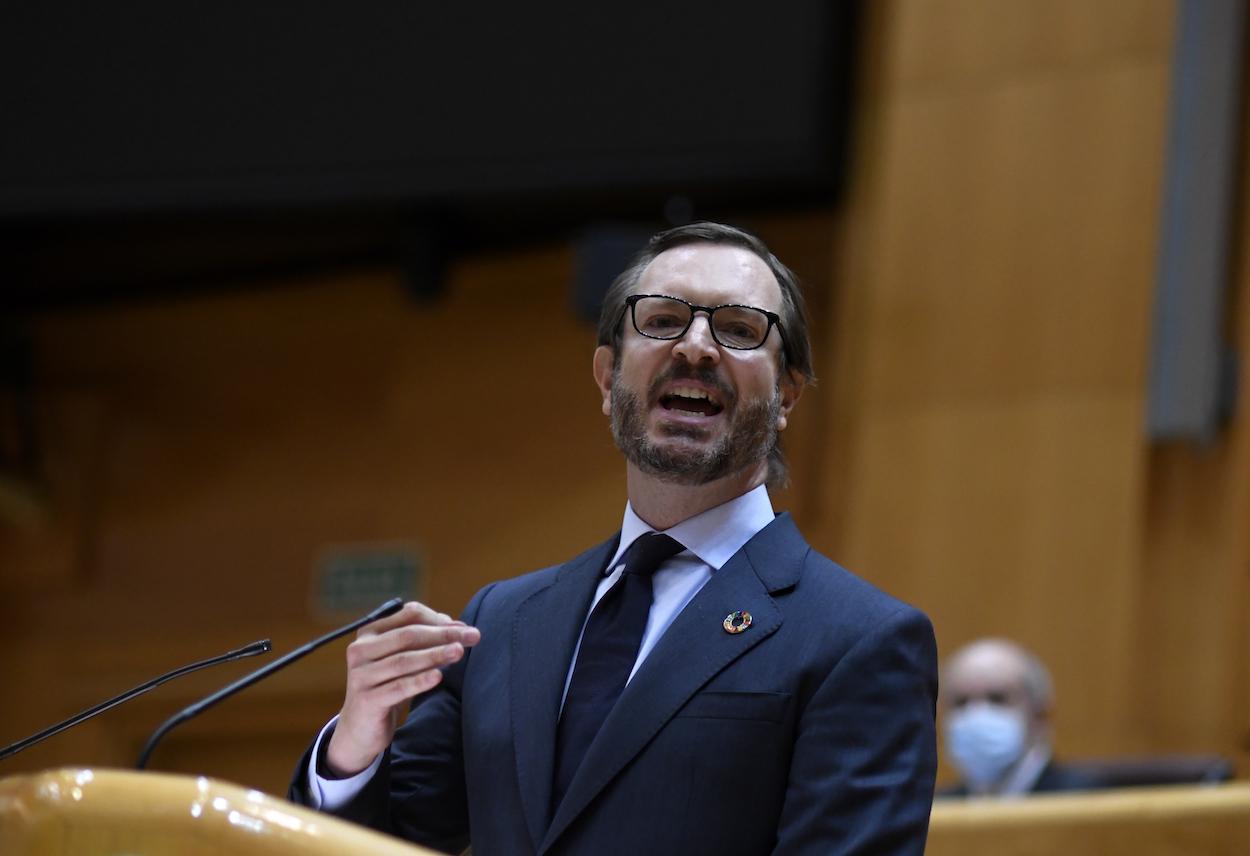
{"x": 987, "y": 668}
{"x": 715, "y": 273}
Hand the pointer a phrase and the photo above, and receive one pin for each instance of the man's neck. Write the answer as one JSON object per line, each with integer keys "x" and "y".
{"x": 663, "y": 504}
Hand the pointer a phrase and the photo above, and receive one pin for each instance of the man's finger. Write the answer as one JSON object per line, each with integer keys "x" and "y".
{"x": 412, "y": 612}
{"x": 409, "y": 664}
{"x": 411, "y": 637}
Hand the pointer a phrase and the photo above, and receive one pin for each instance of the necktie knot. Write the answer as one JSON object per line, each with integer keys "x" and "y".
{"x": 649, "y": 551}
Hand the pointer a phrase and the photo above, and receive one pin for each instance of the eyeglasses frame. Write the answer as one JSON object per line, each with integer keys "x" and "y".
{"x": 774, "y": 320}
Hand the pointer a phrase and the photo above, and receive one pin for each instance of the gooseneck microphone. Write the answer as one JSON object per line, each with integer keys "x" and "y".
{"x": 261, "y": 647}
{"x": 389, "y": 608}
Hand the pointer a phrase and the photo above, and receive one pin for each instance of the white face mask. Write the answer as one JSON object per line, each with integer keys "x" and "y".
{"x": 984, "y": 740}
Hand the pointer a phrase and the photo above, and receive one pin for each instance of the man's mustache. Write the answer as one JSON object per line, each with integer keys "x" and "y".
{"x": 684, "y": 371}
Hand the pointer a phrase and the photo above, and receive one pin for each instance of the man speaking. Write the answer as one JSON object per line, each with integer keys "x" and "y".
{"x": 702, "y": 682}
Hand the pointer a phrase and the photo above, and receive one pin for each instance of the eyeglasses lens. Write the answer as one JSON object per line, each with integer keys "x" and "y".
{"x": 668, "y": 318}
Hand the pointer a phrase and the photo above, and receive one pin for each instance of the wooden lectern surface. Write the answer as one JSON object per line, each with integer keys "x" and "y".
{"x": 114, "y": 812}
{"x": 1190, "y": 820}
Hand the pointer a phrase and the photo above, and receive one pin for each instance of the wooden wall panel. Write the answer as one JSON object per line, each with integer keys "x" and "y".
{"x": 993, "y": 327}
{"x": 1193, "y": 645}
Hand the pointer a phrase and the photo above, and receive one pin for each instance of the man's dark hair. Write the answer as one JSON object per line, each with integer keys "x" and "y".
{"x": 796, "y": 350}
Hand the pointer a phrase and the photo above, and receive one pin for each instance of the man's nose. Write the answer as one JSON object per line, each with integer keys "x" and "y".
{"x": 698, "y": 345}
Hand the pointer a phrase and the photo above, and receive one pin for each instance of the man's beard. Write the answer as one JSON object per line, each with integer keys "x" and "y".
{"x": 751, "y": 435}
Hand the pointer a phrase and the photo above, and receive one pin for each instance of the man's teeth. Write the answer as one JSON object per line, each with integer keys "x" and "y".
{"x": 678, "y": 396}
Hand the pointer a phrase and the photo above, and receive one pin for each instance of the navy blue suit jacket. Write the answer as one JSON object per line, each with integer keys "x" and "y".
{"x": 812, "y": 732}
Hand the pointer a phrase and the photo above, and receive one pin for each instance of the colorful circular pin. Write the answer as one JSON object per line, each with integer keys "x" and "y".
{"x": 736, "y": 622}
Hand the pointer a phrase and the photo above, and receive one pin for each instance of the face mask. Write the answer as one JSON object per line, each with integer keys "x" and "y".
{"x": 983, "y": 740}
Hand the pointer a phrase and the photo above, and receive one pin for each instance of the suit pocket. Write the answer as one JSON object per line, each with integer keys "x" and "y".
{"x": 764, "y": 707}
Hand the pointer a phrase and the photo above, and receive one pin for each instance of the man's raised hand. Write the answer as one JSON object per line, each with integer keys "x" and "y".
{"x": 392, "y": 660}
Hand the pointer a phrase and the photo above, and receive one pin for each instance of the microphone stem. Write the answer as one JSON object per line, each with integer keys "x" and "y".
{"x": 252, "y": 650}
{"x": 391, "y": 606}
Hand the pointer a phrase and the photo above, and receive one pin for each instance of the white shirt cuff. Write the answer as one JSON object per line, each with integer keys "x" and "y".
{"x": 331, "y": 794}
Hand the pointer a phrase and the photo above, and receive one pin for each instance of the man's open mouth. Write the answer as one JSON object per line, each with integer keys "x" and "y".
{"x": 691, "y": 401}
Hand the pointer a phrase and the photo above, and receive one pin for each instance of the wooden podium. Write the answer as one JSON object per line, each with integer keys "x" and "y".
{"x": 111, "y": 812}
{"x": 1186, "y": 820}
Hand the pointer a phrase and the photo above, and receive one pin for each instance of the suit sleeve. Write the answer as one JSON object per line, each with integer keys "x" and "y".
{"x": 418, "y": 792}
{"x": 862, "y": 773}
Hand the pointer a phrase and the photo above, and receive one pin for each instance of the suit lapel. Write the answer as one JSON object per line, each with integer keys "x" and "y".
{"x": 693, "y": 649}
{"x": 544, "y": 631}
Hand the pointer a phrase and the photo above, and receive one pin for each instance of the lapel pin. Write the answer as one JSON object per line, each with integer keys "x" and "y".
{"x": 736, "y": 622}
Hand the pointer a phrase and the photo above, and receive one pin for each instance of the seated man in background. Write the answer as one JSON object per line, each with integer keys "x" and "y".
{"x": 996, "y": 700}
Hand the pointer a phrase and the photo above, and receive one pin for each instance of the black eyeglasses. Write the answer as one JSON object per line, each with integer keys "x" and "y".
{"x": 742, "y": 328}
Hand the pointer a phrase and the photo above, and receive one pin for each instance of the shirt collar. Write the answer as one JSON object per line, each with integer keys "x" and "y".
{"x": 713, "y": 535}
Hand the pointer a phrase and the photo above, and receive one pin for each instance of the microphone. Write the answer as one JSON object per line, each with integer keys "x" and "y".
{"x": 389, "y": 608}
{"x": 261, "y": 647}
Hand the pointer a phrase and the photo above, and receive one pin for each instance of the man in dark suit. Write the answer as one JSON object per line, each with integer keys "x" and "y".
{"x": 997, "y": 700}
{"x": 701, "y": 682}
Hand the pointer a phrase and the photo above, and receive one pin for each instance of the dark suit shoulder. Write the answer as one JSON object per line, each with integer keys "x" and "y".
{"x": 787, "y": 564}
{"x": 1054, "y": 778}
{"x": 829, "y": 595}
{"x": 824, "y": 577}
{"x": 1060, "y": 777}
{"x": 955, "y": 791}
{"x": 508, "y": 594}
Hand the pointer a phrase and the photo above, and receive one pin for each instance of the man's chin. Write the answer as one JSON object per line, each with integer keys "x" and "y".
{"x": 688, "y": 449}
{"x": 681, "y": 459}
{"x": 663, "y": 425}
{"x": 682, "y": 435}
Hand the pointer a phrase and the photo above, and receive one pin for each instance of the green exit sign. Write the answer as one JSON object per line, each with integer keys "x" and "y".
{"x": 352, "y": 579}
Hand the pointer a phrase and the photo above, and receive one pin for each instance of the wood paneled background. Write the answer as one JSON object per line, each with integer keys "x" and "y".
{"x": 991, "y": 353}
{"x": 982, "y": 307}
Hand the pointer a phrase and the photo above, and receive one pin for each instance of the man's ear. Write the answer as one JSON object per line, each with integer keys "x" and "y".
{"x": 602, "y": 366}
{"x": 791, "y": 387}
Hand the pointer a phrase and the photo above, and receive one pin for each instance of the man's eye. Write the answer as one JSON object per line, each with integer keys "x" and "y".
{"x": 740, "y": 331}
{"x": 997, "y": 699}
{"x": 664, "y": 322}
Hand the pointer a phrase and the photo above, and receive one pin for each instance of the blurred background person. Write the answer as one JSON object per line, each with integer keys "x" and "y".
{"x": 996, "y": 702}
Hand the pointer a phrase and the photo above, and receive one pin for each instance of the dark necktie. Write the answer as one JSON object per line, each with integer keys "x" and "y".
{"x": 609, "y": 648}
